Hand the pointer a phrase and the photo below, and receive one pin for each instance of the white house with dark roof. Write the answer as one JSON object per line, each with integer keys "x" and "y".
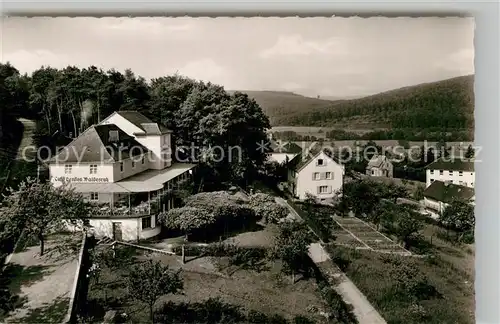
{"x": 380, "y": 166}
{"x": 124, "y": 165}
{"x": 452, "y": 170}
{"x": 440, "y": 194}
{"x": 283, "y": 152}
{"x": 318, "y": 173}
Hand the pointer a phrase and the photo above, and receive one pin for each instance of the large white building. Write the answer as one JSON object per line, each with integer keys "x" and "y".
{"x": 448, "y": 180}
{"x": 455, "y": 171}
{"x": 318, "y": 173}
{"x": 124, "y": 165}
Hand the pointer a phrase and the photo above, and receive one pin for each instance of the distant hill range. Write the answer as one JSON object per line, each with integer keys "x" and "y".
{"x": 446, "y": 105}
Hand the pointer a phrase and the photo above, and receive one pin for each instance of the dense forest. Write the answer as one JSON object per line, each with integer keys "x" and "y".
{"x": 67, "y": 101}
{"x": 282, "y": 104}
{"x": 418, "y": 111}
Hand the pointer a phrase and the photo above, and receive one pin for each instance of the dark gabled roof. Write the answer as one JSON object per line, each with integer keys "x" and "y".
{"x": 452, "y": 164}
{"x": 143, "y": 122}
{"x": 284, "y": 147}
{"x": 95, "y": 145}
{"x": 313, "y": 152}
{"x": 447, "y": 192}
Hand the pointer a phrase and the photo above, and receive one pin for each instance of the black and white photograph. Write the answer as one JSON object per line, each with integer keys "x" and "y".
{"x": 237, "y": 170}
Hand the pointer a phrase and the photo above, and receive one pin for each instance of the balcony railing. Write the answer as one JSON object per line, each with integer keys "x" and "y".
{"x": 138, "y": 205}
{"x": 125, "y": 207}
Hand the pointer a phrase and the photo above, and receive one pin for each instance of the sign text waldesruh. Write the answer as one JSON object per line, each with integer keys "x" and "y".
{"x": 80, "y": 179}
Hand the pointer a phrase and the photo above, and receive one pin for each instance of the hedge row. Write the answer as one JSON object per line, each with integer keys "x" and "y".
{"x": 219, "y": 250}
{"x": 214, "y": 311}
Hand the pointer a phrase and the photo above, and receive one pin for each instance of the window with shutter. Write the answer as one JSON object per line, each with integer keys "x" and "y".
{"x": 319, "y": 189}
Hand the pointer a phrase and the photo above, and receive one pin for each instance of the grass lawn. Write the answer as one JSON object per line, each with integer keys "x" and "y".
{"x": 263, "y": 291}
{"x": 460, "y": 256}
{"x": 377, "y": 275}
{"x": 40, "y": 286}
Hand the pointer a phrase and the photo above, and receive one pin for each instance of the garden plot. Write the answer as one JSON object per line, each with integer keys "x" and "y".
{"x": 365, "y": 235}
{"x": 344, "y": 238}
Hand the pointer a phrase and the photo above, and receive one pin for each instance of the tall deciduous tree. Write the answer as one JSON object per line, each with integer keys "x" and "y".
{"x": 291, "y": 246}
{"x": 150, "y": 280}
{"x": 459, "y": 215}
{"x": 402, "y": 221}
{"x": 41, "y": 209}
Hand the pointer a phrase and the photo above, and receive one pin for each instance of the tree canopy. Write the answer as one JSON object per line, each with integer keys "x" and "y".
{"x": 291, "y": 247}
{"x": 39, "y": 209}
{"x": 459, "y": 216}
{"x": 150, "y": 280}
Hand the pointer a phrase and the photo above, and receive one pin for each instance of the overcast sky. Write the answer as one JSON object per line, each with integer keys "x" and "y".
{"x": 313, "y": 56}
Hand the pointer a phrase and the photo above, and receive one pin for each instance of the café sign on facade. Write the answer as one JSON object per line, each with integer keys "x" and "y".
{"x": 80, "y": 179}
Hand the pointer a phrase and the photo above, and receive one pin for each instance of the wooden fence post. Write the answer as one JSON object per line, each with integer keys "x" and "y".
{"x": 183, "y": 255}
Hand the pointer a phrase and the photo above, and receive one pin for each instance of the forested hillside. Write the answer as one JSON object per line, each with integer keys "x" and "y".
{"x": 443, "y": 106}
{"x": 281, "y": 104}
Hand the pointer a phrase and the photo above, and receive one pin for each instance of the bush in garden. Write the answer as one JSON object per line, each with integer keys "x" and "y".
{"x": 210, "y": 212}
{"x": 266, "y": 208}
{"x": 409, "y": 281}
{"x": 302, "y": 320}
{"x": 187, "y": 219}
{"x": 215, "y": 311}
{"x": 244, "y": 257}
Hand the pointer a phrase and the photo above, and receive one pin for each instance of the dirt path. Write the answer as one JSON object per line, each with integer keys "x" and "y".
{"x": 43, "y": 284}
{"x": 363, "y": 310}
{"x": 27, "y": 140}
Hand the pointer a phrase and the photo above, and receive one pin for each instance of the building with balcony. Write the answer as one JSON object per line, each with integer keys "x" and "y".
{"x": 123, "y": 165}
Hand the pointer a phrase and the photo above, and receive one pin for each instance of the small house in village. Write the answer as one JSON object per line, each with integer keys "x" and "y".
{"x": 318, "y": 172}
{"x": 283, "y": 152}
{"x": 380, "y": 166}
{"x": 123, "y": 165}
{"x": 440, "y": 194}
